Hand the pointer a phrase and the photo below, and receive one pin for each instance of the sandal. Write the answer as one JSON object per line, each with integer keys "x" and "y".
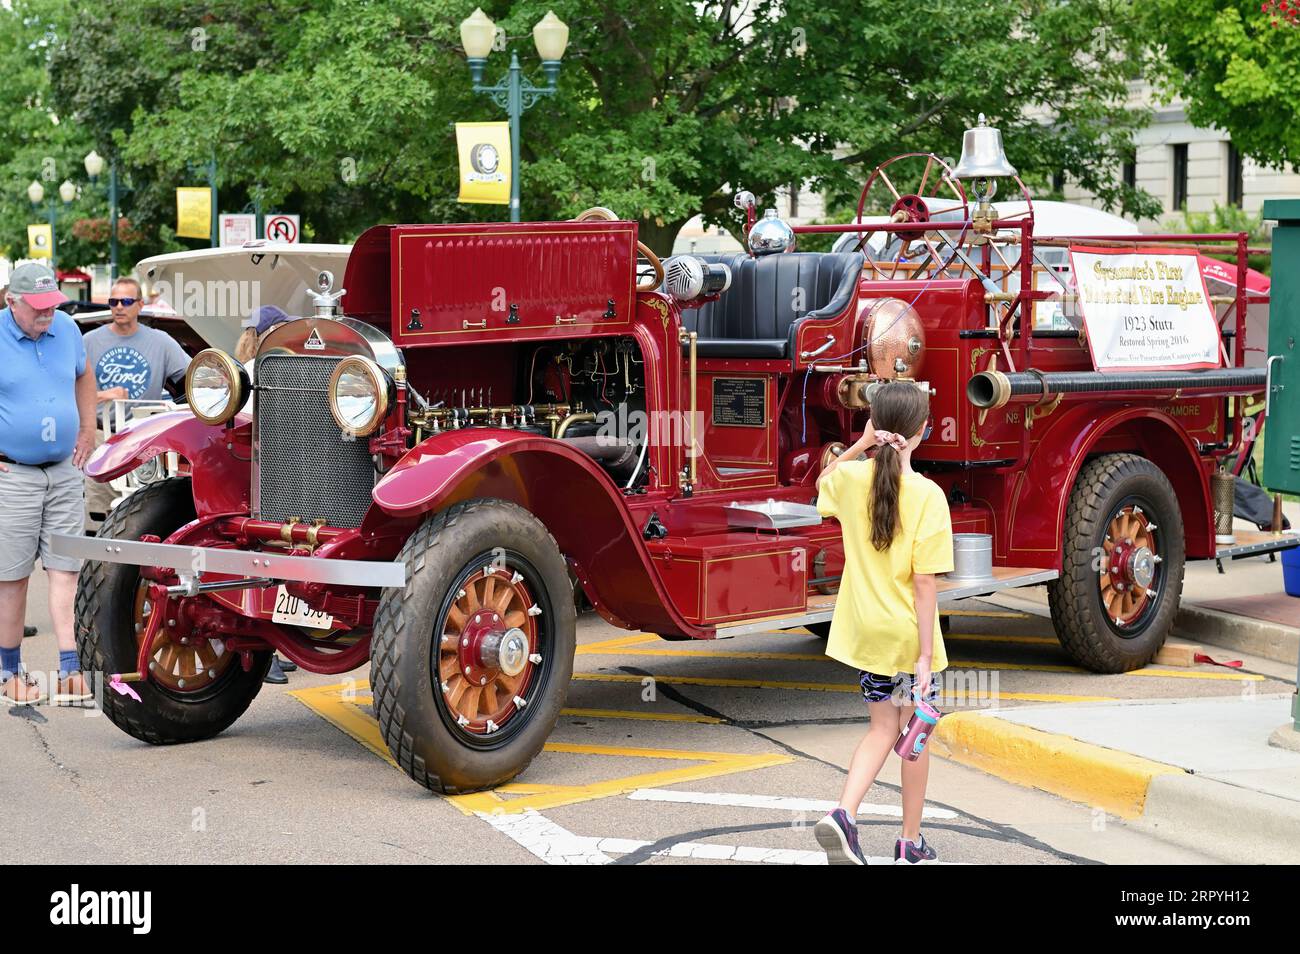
{"x": 21, "y": 690}
{"x": 73, "y": 688}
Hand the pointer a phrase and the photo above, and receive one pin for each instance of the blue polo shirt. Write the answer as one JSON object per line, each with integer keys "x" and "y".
{"x": 38, "y": 401}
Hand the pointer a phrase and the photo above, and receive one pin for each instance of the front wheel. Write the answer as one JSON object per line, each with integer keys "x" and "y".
{"x": 195, "y": 689}
{"x": 471, "y": 661}
{"x": 1122, "y": 565}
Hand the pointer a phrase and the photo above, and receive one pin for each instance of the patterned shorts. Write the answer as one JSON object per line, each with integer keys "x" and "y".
{"x": 877, "y": 688}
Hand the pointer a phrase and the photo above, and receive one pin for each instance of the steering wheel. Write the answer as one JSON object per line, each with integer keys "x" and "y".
{"x": 927, "y": 190}
{"x": 600, "y": 213}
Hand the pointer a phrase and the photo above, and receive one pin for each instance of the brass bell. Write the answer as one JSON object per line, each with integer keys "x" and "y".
{"x": 981, "y": 154}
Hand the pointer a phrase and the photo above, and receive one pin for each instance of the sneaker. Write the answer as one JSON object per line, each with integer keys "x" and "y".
{"x": 21, "y": 690}
{"x": 287, "y": 665}
{"x": 906, "y": 853}
{"x": 275, "y": 675}
{"x": 838, "y": 836}
{"x": 73, "y": 688}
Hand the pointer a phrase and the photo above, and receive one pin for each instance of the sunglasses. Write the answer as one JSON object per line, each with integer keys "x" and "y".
{"x": 929, "y": 429}
{"x": 124, "y": 302}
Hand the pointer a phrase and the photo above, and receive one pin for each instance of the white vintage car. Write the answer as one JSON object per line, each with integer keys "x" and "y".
{"x": 203, "y": 299}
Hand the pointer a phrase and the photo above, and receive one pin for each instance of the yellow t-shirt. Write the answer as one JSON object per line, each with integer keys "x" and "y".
{"x": 874, "y": 626}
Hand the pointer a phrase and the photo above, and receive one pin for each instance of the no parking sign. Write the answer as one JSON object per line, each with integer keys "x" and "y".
{"x": 282, "y": 227}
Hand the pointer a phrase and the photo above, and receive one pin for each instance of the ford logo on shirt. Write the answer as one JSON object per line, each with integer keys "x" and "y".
{"x": 123, "y": 367}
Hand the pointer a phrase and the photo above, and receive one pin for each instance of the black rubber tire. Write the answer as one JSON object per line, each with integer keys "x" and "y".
{"x": 1105, "y": 485}
{"x": 412, "y": 717}
{"x": 820, "y": 630}
{"x": 106, "y": 638}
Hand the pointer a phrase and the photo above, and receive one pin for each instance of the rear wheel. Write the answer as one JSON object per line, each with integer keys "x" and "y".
{"x": 471, "y": 660}
{"x": 195, "y": 690}
{"x": 1122, "y": 572}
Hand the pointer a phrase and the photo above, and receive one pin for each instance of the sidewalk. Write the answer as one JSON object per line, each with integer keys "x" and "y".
{"x": 1220, "y": 775}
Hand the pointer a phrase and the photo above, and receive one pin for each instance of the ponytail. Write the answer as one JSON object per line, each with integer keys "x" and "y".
{"x": 901, "y": 408}
{"x": 885, "y": 478}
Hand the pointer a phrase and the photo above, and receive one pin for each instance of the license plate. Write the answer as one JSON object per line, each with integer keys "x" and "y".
{"x": 291, "y": 610}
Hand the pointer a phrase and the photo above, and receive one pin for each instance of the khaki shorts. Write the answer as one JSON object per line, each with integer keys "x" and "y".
{"x": 38, "y": 502}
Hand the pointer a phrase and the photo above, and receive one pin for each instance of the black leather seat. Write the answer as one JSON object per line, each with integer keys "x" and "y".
{"x": 769, "y": 297}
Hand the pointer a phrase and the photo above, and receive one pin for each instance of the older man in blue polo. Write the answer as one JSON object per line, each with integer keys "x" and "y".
{"x": 47, "y": 430}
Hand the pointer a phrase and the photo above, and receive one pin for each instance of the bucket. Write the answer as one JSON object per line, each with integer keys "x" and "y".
{"x": 1291, "y": 571}
{"x": 972, "y": 556}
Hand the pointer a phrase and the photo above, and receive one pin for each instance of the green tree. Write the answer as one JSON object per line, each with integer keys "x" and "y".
{"x": 1235, "y": 69}
{"x": 341, "y": 109}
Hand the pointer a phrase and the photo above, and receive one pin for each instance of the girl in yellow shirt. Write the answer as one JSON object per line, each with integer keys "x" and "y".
{"x": 897, "y": 535}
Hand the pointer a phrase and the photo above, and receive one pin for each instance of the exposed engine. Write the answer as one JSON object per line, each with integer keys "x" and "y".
{"x": 589, "y": 392}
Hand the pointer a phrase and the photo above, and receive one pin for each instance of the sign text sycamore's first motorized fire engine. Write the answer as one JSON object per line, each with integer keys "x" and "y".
{"x": 494, "y": 414}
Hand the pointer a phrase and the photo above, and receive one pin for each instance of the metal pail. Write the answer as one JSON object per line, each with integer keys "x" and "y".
{"x": 972, "y": 556}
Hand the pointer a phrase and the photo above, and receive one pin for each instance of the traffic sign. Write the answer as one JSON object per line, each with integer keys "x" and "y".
{"x": 237, "y": 228}
{"x": 282, "y": 227}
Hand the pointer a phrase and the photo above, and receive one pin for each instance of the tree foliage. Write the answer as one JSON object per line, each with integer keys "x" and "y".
{"x": 341, "y": 110}
{"x": 1237, "y": 65}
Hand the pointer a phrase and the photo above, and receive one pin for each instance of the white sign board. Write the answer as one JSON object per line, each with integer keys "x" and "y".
{"x": 1145, "y": 310}
{"x": 237, "y": 228}
{"x": 282, "y": 227}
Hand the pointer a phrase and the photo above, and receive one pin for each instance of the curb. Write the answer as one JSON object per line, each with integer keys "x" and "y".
{"x": 1103, "y": 778}
{"x": 1235, "y": 824}
{"x": 1239, "y": 825}
{"x": 1241, "y": 633}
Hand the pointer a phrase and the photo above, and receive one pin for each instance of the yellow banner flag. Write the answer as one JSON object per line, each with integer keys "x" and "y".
{"x": 484, "y": 162}
{"x": 194, "y": 212}
{"x": 40, "y": 241}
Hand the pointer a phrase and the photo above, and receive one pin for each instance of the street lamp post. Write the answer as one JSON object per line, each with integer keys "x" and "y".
{"x": 514, "y": 94}
{"x": 94, "y": 163}
{"x": 36, "y": 193}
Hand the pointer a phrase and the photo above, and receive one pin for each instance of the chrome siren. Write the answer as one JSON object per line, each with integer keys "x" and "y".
{"x": 687, "y": 277}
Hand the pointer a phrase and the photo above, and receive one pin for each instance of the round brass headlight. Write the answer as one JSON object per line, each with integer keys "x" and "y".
{"x": 216, "y": 386}
{"x": 360, "y": 392}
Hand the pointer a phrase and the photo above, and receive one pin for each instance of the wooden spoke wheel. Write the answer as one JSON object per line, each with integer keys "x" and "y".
{"x": 1129, "y": 565}
{"x": 179, "y": 664}
{"x": 912, "y": 188}
{"x": 487, "y": 649}
{"x": 470, "y": 662}
{"x": 1122, "y": 553}
{"x": 195, "y": 689}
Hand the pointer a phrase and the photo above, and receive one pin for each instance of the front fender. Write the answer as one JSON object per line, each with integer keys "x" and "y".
{"x": 220, "y": 478}
{"x": 576, "y": 501}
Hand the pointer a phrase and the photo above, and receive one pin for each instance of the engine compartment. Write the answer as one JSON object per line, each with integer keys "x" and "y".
{"x": 587, "y": 391}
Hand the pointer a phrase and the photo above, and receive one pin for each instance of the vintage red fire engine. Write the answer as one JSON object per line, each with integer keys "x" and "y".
{"x": 494, "y": 419}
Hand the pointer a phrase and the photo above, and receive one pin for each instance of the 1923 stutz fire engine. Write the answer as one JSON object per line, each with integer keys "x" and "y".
{"x": 432, "y": 465}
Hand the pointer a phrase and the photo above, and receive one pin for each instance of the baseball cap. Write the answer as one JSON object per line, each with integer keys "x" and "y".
{"x": 268, "y": 316}
{"x": 36, "y": 285}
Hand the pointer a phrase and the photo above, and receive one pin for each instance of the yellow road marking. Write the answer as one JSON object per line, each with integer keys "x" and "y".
{"x": 805, "y": 686}
{"x": 607, "y": 644}
{"x": 541, "y": 798}
{"x": 1178, "y": 674}
{"x": 952, "y": 663}
{"x": 985, "y": 638}
{"x": 341, "y": 706}
{"x": 643, "y": 716}
{"x": 991, "y": 614}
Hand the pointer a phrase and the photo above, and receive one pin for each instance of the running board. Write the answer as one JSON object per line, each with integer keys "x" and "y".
{"x": 822, "y": 608}
{"x": 1256, "y": 542}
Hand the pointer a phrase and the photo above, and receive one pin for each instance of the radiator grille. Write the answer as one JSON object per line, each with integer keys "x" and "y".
{"x": 304, "y": 466}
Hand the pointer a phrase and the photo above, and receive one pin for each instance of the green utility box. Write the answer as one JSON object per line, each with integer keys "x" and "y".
{"x": 1282, "y": 431}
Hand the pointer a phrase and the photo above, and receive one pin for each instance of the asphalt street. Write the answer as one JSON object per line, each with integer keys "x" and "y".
{"x": 667, "y": 752}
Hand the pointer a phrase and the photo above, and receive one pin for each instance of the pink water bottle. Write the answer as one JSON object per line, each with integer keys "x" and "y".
{"x": 919, "y": 729}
